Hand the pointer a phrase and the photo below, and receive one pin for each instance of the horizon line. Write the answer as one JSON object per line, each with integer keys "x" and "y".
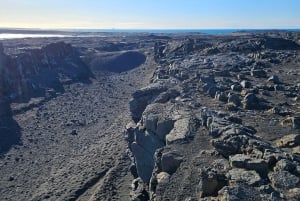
{"x": 92, "y": 28}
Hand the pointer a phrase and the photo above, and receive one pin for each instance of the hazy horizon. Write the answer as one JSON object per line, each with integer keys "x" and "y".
{"x": 154, "y": 14}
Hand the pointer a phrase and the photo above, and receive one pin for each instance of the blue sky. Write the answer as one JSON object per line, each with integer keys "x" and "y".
{"x": 150, "y": 14}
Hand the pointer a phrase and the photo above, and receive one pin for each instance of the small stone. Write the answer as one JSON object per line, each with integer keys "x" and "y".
{"x": 74, "y": 132}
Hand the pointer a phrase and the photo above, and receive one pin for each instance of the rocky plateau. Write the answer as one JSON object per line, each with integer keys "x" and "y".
{"x": 151, "y": 117}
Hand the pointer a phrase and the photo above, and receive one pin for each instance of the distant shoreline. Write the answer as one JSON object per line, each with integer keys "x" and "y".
{"x": 10, "y": 33}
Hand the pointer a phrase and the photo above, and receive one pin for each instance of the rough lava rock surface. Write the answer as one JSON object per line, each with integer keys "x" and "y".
{"x": 206, "y": 117}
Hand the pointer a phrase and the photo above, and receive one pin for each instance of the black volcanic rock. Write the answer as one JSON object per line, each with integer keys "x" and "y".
{"x": 30, "y": 73}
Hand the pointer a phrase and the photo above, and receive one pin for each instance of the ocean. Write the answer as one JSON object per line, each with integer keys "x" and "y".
{"x": 4, "y": 36}
{"x": 177, "y": 31}
{"x": 70, "y": 32}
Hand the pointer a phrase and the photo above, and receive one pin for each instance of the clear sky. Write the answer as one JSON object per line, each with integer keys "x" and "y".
{"x": 150, "y": 14}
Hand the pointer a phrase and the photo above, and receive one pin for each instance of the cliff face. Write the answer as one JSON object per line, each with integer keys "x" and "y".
{"x": 31, "y": 73}
{"x": 35, "y": 73}
{"x": 4, "y": 106}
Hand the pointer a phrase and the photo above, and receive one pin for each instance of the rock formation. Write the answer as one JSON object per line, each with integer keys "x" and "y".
{"x": 203, "y": 141}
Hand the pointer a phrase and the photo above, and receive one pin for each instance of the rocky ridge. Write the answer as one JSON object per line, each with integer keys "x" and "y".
{"x": 219, "y": 121}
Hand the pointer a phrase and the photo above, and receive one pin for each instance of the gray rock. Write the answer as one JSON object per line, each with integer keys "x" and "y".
{"x": 240, "y": 192}
{"x": 209, "y": 184}
{"x": 293, "y": 122}
{"x": 226, "y": 148}
{"x": 239, "y": 160}
{"x": 182, "y": 130}
{"x": 210, "y": 88}
{"x": 259, "y": 73}
{"x": 236, "y": 87}
{"x": 230, "y": 144}
{"x": 234, "y": 98}
{"x": 207, "y": 79}
{"x": 250, "y": 101}
{"x": 293, "y": 194}
{"x": 274, "y": 79}
{"x": 212, "y": 91}
{"x": 260, "y": 145}
{"x": 278, "y": 87}
{"x": 221, "y": 96}
{"x": 138, "y": 191}
{"x": 162, "y": 178}
{"x": 223, "y": 73}
{"x": 170, "y": 161}
{"x": 144, "y": 162}
{"x": 284, "y": 164}
{"x": 259, "y": 165}
{"x": 283, "y": 180}
{"x": 143, "y": 149}
{"x": 249, "y": 177}
{"x": 167, "y": 95}
{"x": 245, "y": 84}
{"x": 143, "y": 97}
{"x": 157, "y": 118}
{"x": 221, "y": 165}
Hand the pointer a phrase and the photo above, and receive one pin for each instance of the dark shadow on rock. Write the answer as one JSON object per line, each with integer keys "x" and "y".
{"x": 10, "y": 133}
{"x": 280, "y": 44}
{"x": 118, "y": 63}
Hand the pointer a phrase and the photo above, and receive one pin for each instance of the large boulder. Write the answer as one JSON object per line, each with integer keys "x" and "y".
{"x": 291, "y": 140}
{"x": 182, "y": 131}
{"x": 170, "y": 161}
{"x": 250, "y": 101}
{"x": 143, "y": 150}
{"x": 210, "y": 183}
{"x": 138, "y": 191}
{"x": 157, "y": 118}
{"x": 283, "y": 180}
{"x": 143, "y": 97}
